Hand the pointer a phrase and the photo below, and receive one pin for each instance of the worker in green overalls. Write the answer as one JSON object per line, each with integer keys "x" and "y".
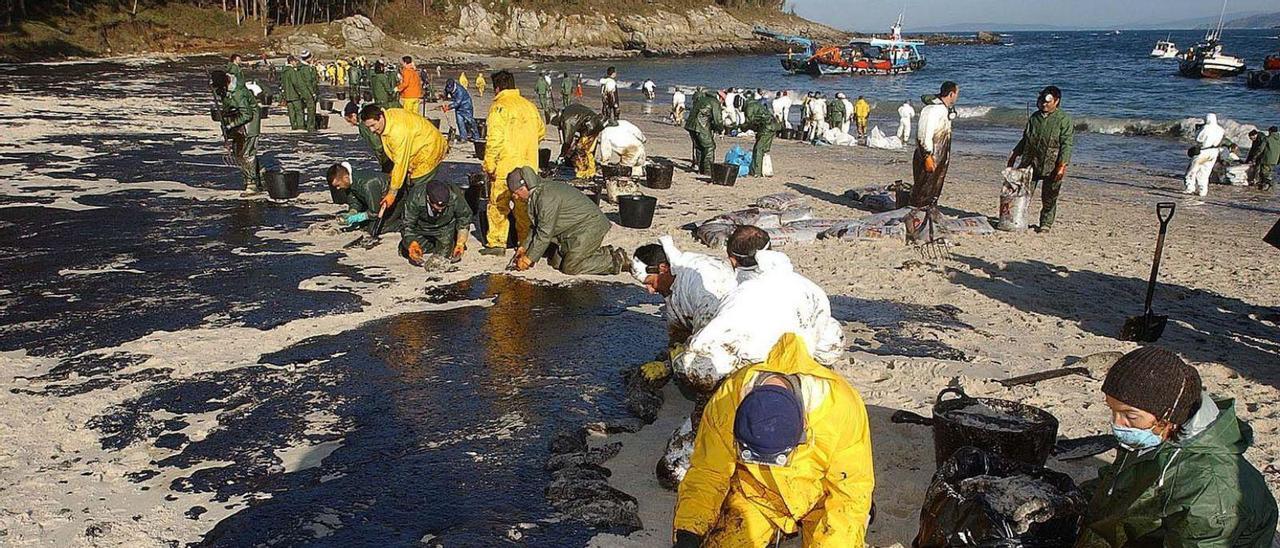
{"x": 241, "y": 124}
{"x": 760, "y": 120}
{"x": 705, "y": 118}
{"x": 542, "y": 88}
{"x": 1046, "y": 148}
{"x": 365, "y": 190}
{"x": 291, "y": 86}
{"x": 310, "y": 90}
{"x": 566, "y": 89}
{"x": 234, "y": 68}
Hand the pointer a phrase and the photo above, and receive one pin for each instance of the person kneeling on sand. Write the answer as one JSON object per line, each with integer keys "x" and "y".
{"x": 1180, "y": 477}
{"x": 783, "y": 447}
{"x": 564, "y": 217}
{"x": 436, "y": 220}
{"x": 749, "y": 254}
{"x": 692, "y": 284}
{"x": 580, "y": 127}
{"x": 365, "y": 190}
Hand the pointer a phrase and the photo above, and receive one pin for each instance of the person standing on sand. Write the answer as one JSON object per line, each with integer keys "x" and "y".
{"x": 760, "y": 120}
{"x": 234, "y": 67}
{"x": 677, "y": 107}
{"x": 566, "y": 89}
{"x": 1208, "y": 144}
{"x": 1179, "y": 477}
{"x": 905, "y": 113}
{"x": 933, "y": 146}
{"x": 782, "y": 109}
{"x": 310, "y": 90}
{"x": 463, "y": 110}
{"x": 410, "y": 87}
{"x": 515, "y": 130}
{"x": 838, "y": 113}
{"x": 1046, "y": 148}
{"x": 480, "y": 84}
{"x": 1268, "y": 158}
{"x": 861, "y": 110}
{"x": 704, "y": 120}
{"x": 783, "y": 447}
{"x": 291, "y": 88}
{"x": 542, "y": 89}
{"x": 611, "y": 108}
{"x": 241, "y": 125}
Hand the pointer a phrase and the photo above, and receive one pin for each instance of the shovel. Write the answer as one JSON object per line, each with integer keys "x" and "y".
{"x": 1148, "y": 327}
{"x": 370, "y": 241}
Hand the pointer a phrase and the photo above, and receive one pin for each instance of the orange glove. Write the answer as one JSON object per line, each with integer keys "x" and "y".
{"x": 415, "y": 253}
{"x": 458, "y": 249}
{"x": 387, "y": 201}
{"x": 523, "y": 263}
{"x": 1060, "y": 173}
{"x": 929, "y": 164}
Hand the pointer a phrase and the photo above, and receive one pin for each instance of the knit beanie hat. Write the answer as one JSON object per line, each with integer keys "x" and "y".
{"x": 1157, "y": 381}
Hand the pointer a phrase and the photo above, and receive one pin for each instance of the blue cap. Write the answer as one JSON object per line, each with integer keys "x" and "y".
{"x": 769, "y": 422}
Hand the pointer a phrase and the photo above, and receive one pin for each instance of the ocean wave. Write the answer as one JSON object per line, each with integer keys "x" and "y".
{"x": 1181, "y": 129}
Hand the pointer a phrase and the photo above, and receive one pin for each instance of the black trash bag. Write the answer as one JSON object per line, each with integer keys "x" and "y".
{"x": 982, "y": 499}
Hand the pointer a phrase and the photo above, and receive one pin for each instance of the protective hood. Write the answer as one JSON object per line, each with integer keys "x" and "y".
{"x": 701, "y": 284}
{"x": 1211, "y": 119}
{"x": 767, "y": 261}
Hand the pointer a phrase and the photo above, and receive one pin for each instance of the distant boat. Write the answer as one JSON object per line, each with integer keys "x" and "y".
{"x": 859, "y": 56}
{"x": 1207, "y": 60}
{"x": 1165, "y": 50}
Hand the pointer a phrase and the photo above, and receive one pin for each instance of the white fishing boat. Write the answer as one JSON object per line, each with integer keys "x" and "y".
{"x": 1165, "y": 49}
{"x": 1207, "y": 60}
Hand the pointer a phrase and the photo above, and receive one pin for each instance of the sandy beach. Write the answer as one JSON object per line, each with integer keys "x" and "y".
{"x": 1003, "y": 305}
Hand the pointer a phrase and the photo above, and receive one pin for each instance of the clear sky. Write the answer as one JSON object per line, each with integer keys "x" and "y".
{"x": 877, "y": 15}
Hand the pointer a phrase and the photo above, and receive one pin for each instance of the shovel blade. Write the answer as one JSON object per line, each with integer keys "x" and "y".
{"x": 1146, "y": 328}
{"x": 371, "y": 242}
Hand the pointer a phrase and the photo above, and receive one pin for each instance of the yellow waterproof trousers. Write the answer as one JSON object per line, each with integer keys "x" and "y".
{"x": 584, "y": 157}
{"x": 745, "y": 524}
{"x": 500, "y": 200}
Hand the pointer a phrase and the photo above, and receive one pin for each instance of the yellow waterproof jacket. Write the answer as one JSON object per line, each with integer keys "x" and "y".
{"x": 862, "y": 108}
{"x": 830, "y": 476}
{"x": 515, "y": 131}
{"x": 414, "y": 146}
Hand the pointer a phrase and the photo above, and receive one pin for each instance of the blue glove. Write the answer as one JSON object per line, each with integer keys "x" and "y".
{"x": 357, "y": 218}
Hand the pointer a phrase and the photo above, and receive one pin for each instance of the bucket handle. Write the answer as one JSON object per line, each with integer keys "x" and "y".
{"x": 951, "y": 390}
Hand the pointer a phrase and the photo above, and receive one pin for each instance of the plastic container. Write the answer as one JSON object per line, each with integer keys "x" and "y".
{"x": 636, "y": 211}
{"x": 479, "y": 144}
{"x": 615, "y": 171}
{"x": 658, "y": 174}
{"x": 482, "y": 127}
{"x": 1010, "y": 429}
{"x": 326, "y": 104}
{"x": 544, "y": 159}
{"x": 282, "y": 185}
{"x": 1273, "y": 235}
{"x": 216, "y": 114}
{"x": 339, "y": 196}
{"x": 266, "y": 99}
{"x": 262, "y": 111}
{"x": 724, "y": 174}
{"x": 322, "y": 121}
{"x": 435, "y": 122}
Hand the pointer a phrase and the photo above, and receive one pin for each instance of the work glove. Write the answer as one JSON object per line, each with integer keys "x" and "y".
{"x": 654, "y": 371}
{"x": 390, "y": 199}
{"x": 929, "y": 164}
{"x": 356, "y": 218}
{"x": 415, "y": 253}
{"x": 685, "y": 539}
{"x": 458, "y": 249}
{"x": 523, "y": 262}
{"x": 1060, "y": 172}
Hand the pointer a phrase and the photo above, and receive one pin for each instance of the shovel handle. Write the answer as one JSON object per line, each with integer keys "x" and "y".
{"x": 1164, "y": 212}
{"x": 907, "y": 417}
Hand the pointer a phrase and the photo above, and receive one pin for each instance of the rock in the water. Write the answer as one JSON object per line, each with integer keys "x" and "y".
{"x": 595, "y": 503}
{"x": 643, "y": 397}
{"x": 569, "y": 442}
{"x": 594, "y": 456}
{"x": 587, "y": 472}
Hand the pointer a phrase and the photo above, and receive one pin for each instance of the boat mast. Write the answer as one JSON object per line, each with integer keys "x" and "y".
{"x": 1217, "y": 35}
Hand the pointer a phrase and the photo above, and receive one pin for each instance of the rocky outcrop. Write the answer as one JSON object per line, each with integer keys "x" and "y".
{"x": 536, "y": 33}
{"x": 355, "y": 34}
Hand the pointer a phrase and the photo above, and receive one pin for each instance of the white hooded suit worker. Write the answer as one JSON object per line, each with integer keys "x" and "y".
{"x": 622, "y": 144}
{"x": 782, "y": 109}
{"x": 1209, "y": 139}
{"x": 773, "y": 300}
{"x": 701, "y": 283}
{"x": 905, "y": 113}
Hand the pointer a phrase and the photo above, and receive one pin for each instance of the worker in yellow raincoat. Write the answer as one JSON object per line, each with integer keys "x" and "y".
{"x": 480, "y": 84}
{"x": 462, "y": 81}
{"x": 783, "y": 447}
{"x": 414, "y": 146}
{"x": 515, "y": 131}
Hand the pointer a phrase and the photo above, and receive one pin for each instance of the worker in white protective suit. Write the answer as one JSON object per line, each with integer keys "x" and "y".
{"x": 622, "y": 144}
{"x": 848, "y": 112}
{"x": 677, "y": 107}
{"x": 775, "y": 301}
{"x": 731, "y": 113}
{"x": 816, "y": 114}
{"x": 905, "y": 113}
{"x": 782, "y": 109}
{"x": 1208, "y": 141}
{"x": 692, "y": 284}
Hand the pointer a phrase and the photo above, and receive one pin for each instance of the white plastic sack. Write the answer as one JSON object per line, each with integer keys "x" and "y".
{"x": 701, "y": 283}
{"x": 1236, "y": 175}
{"x": 749, "y": 323}
{"x": 1015, "y": 199}
{"x": 766, "y": 165}
{"x": 254, "y": 87}
{"x": 877, "y": 139}
{"x": 839, "y": 138}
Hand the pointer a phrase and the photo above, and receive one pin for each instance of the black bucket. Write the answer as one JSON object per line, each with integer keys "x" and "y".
{"x": 479, "y": 145}
{"x": 482, "y": 128}
{"x": 342, "y": 95}
{"x": 339, "y": 195}
{"x": 724, "y": 174}
{"x": 636, "y": 211}
{"x": 262, "y": 111}
{"x": 611, "y": 172}
{"x": 282, "y": 185}
{"x": 658, "y": 174}
{"x": 475, "y": 193}
{"x": 326, "y": 104}
{"x": 1273, "y": 235}
{"x": 435, "y": 122}
{"x": 322, "y": 121}
{"x": 216, "y": 114}
{"x": 1010, "y": 429}
{"x": 544, "y": 159}
{"x": 266, "y": 99}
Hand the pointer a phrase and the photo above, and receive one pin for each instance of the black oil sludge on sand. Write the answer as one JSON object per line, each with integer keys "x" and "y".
{"x": 444, "y": 418}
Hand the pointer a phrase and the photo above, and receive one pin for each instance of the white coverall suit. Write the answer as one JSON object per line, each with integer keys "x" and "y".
{"x": 905, "y": 113}
{"x": 1197, "y": 179}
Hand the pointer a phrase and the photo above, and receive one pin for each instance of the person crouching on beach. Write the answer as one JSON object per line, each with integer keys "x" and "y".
{"x": 1179, "y": 477}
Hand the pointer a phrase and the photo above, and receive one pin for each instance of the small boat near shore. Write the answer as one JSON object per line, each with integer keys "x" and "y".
{"x": 873, "y": 56}
{"x": 1165, "y": 49}
{"x": 1207, "y": 60}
